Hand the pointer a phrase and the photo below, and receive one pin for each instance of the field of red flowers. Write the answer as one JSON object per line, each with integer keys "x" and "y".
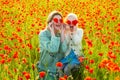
{"x": 22, "y": 20}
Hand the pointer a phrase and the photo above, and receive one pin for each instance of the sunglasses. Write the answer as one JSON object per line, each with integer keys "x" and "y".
{"x": 56, "y": 20}
{"x": 74, "y": 22}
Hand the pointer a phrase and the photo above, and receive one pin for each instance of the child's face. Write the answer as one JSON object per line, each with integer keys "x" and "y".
{"x": 72, "y": 23}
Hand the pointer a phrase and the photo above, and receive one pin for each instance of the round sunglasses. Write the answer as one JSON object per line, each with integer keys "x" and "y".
{"x": 74, "y": 22}
{"x": 56, "y": 20}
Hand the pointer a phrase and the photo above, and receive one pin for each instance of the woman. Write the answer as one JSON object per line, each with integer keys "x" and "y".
{"x": 74, "y": 40}
{"x": 52, "y": 45}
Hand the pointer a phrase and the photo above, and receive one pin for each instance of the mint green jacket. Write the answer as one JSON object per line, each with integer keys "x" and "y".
{"x": 52, "y": 50}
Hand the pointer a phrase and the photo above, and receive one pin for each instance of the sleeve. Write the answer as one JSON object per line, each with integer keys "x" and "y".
{"x": 78, "y": 40}
{"x": 78, "y": 37}
{"x": 50, "y": 45}
{"x": 63, "y": 47}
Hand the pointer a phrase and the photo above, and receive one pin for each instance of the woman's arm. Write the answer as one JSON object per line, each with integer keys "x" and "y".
{"x": 63, "y": 47}
{"x": 50, "y": 45}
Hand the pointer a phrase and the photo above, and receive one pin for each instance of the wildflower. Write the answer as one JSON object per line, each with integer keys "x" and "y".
{"x": 26, "y": 74}
{"x": 91, "y": 70}
{"x": 33, "y": 66}
{"x": 20, "y": 40}
{"x": 29, "y": 45}
{"x": 6, "y": 47}
{"x": 20, "y": 78}
{"x": 18, "y": 29}
{"x": 24, "y": 60}
{"x": 90, "y": 52}
{"x": 62, "y": 78}
{"x": 32, "y": 25}
{"x": 87, "y": 67}
{"x": 15, "y": 55}
{"x": 88, "y": 78}
{"x": 59, "y": 64}
{"x": 111, "y": 55}
{"x": 81, "y": 59}
{"x": 15, "y": 70}
{"x": 42, "y": 74}
{"x": 2, "y": 61}
{"x": 65, "y": 76}
{"x": 100, "y": 54}
{"x": 89, "y": 42}
{"x": 91, "y": 61}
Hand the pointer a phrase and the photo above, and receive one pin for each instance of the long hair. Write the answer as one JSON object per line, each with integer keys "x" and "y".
{"x": 51, "y": 15}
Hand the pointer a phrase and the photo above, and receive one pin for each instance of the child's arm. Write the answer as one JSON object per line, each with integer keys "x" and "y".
{"x": 78, "y": 41}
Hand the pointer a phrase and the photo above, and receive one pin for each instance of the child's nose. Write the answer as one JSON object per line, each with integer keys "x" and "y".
{"x": 71, "y": 26}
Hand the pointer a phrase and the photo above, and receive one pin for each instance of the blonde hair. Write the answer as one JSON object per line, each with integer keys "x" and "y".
{"x": 51, "y": 15}
{"x": 71, "y": 14}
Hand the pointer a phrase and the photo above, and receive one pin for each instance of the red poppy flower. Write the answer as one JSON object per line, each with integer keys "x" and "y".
{"x": 65, "y": 76}
{"x": 2, "y": 61}
{"x": 33, "y": 66}
{"x": 81, "y": 59}
{"x": 87, "y": 67}
{"x": 59, "y": 64}
{"x": 26, "y": 74}
{"x": 6, "y": 47}
{"x": 15, "y": 55}
{"x": 100, "y": 54}
{"x": 42, "y": 74}
{"x": 62, "y": 78}
{"x": 91, "y": 70}
{"x": 91, "y": 61}
{"x": 118, "y": 29}
{"x": 89, "y": 42}
{"x": 88, "y": 78}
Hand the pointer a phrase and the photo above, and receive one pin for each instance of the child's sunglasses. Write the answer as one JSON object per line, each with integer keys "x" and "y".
{"x": 74, "y": 22}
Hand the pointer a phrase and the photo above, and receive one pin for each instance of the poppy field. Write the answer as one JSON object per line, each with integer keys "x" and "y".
{"x": 22, "y": 20}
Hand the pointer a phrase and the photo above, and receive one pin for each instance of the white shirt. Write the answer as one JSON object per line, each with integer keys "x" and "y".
{"x": 74, "y": 41}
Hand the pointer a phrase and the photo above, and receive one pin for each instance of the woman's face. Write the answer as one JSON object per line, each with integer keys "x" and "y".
{"x": 57, "y": 21}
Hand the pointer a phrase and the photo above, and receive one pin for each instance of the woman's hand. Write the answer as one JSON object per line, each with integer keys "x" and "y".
{"x": 51, "y": 28}
{"x": 63, "y": 28}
